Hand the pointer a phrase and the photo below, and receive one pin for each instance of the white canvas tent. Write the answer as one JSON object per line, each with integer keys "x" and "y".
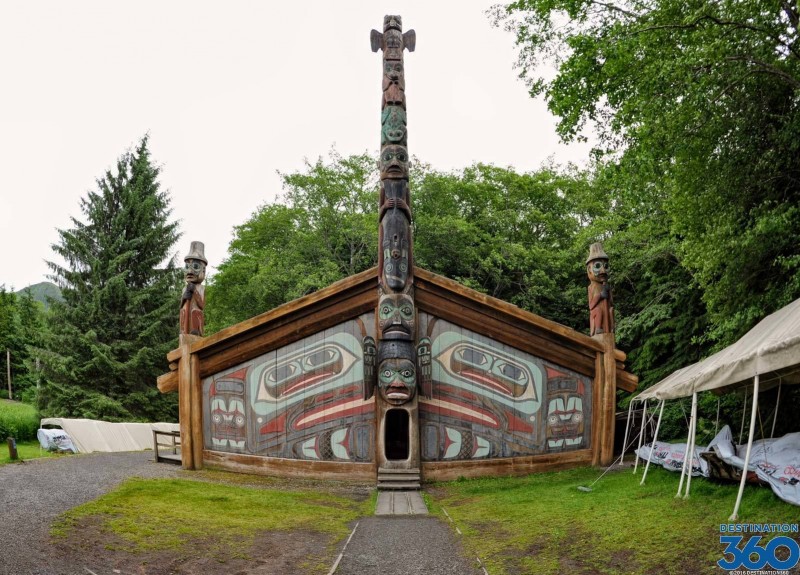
{"x": 90, "y": 435}
{"x": 767, "y": 355}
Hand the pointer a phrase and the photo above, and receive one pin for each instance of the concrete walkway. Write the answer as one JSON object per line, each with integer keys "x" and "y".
{"x": 403, "y": 540}
{"x": 404, "y": 545}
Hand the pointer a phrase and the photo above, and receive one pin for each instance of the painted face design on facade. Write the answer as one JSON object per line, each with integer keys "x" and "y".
{"x": 194, "y": 271}
{"x": 299, "y": 374}
{"x": 396, "y": 317}
{"x": 491, "y": 369}
{"x": 397, "y": 380}
{"x": 564, "y": 420}
{"x": 228, "y": 422}
{"x": 394, "y": 162}
{"x": 395, "y": 229}
{"x": 393, "y": 126}
{"x": 598, "y": 270}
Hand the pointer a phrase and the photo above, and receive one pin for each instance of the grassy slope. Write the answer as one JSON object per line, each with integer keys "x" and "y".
{"x": 25, "y": 450}
{"x": 18, "y": 420}
{"x": 173, "y": 513}
{"x": 542, "y": 524}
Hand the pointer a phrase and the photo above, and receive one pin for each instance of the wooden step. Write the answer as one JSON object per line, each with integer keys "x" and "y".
{"x": 398, "y": 479}
{"x": 399, "y": 486}
{"x": 388, "y": 470}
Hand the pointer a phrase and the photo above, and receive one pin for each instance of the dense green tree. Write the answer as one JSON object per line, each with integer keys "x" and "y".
{"x": 699, "y": 100}
{"x": 323, "y": 229}
{"x": 505, "y": 234}
{"x": 22, "y": 328}
{"x": 111, "y": 334}
{"x": 695, "y": 109}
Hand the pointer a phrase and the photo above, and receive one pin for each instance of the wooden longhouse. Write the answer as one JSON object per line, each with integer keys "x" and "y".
{"x": 397, "y": 374}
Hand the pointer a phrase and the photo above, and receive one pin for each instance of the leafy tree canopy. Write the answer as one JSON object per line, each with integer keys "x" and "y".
{"x": 695, "y": 103}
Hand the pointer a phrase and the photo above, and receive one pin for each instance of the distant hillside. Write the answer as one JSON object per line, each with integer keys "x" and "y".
{"x": 42, "y": 291}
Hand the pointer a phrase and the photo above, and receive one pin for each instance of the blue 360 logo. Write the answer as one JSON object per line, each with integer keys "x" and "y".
{"x": 754, "y": 556}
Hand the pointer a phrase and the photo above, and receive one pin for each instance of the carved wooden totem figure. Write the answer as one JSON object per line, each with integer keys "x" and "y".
{"x": 396, "y": 316}
{"x": 601, "y": 302}
{"x": 194, "y": 296}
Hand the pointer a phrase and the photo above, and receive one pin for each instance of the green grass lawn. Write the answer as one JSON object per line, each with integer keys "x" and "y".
{"x": 25, "y": 450}
{"x": 543, "y": 524}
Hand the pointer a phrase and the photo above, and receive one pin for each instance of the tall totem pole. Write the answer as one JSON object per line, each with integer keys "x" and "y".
{"x": 397, "y": 402}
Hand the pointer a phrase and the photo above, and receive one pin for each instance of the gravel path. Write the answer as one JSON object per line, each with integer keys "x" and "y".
{"x": 34, "y": 493}
{"x": 395, "y": 545}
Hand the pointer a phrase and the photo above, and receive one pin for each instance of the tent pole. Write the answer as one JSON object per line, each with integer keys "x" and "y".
{"x": 735, "y": 515}
{"x": 744, "y": 411}
{"x": 716, "y": 422}
{"x": 690, "y": 447}
{"x": 653, "y": 445}
{"x": 641, "y": 435}
{"x": 688, "y": 441}
{"x": 627, "y": 427}
{"x": 777, "y": 404}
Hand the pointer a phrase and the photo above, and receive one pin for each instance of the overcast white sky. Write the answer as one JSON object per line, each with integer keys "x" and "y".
{"x": 231, "y": 92}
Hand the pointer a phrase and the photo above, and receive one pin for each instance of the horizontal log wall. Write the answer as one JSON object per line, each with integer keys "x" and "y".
{"x": 450, "y": 470}
{"x": 293, "y": 468}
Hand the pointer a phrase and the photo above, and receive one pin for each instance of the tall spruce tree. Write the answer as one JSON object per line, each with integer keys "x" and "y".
{"x": 118, "y": 320}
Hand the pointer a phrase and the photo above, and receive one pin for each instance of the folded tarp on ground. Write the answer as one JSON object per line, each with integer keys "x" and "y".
{"x": 774, "y": 461}
{"x": 671, "y": 455}
{"x": 90, "y": 435}
{"x": 55, "y": 440}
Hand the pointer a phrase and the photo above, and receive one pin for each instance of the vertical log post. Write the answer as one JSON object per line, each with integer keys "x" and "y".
{"x": 601, "y": 327}
{"x": 609, "y": 400}
{"x": 8, "y": 368}
{"x": 186, "y": 398}
{"x": 197, "y": 413}
{"x": 597, "y": 407}
{"x": 12, "y": 449}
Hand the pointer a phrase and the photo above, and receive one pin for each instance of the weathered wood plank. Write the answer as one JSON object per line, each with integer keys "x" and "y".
{"x": 185, "y": 405}
{"x": 627, "y": 381}
{"x": 429, "y": 281}
{"x": 288, "y": 333}
{"x": 197, "y": 413}
{"x": 298, "y": 468}
{"x": 358, "y": 282}
{"x": 450, "y": 470}
{"x": 597, "y": 409}
{"x": 167, "y": 382}
{"x": 609, "y": 400}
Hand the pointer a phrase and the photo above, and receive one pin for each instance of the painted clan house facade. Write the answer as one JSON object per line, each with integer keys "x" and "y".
{"x": 396, "y": 374}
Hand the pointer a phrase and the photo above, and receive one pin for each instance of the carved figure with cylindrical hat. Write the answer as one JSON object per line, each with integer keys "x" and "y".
{"x": 193, "y": 300}
{"x": 601, "y": 302}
